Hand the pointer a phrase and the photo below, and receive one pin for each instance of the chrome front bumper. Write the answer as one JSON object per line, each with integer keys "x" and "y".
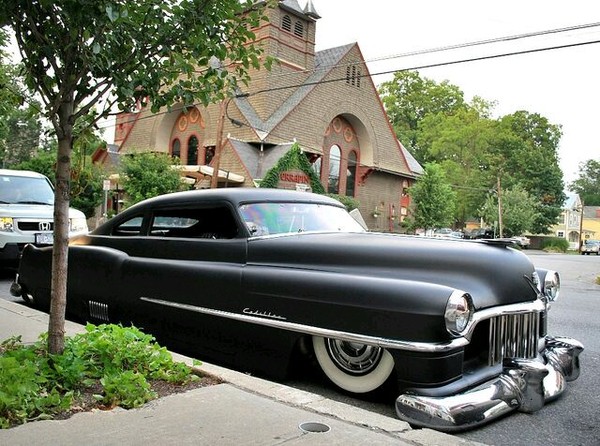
{"x": 524, "y": 385}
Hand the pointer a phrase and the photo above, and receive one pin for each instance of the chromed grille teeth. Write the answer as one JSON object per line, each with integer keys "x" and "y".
{"x": 513, "y": 336}
{"x": 98, "y": 310}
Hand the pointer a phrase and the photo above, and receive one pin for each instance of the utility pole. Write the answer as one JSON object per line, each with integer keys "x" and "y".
{"x": 581, "y": 225}
{"x": 218, "y": 144}
{"x": 500, "y": 230}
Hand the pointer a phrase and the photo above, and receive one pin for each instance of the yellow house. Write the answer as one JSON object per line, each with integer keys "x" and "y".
{"x": 570, "y": 225}
{"x": 591, "y": 222}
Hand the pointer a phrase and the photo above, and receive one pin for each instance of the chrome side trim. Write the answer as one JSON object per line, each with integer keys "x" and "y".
{"x": 356, "y": 337}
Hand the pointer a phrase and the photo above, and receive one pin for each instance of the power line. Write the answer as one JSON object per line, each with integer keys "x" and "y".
{"x": 424, "y": 66}
{"x": 430, "y": 65}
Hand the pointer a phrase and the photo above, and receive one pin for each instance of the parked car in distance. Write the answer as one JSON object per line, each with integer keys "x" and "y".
{"x": 590, "y": 247}
{"x": 27, "y": 213}
{"x": 522, "y": 241}
{"x": 482, "y": 233}
{"x": 257, "y": 279}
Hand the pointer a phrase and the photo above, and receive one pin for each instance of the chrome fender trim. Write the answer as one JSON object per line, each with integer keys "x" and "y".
{"x": 266, "y": 319}
{"x": 524, "y": 385}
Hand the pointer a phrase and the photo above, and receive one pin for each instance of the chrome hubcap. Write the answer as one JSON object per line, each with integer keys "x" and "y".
{"x": 352, "y": 357}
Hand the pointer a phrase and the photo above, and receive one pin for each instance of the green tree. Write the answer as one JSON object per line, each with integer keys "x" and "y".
{"x": 86, "y": 179}
{"x": 519, "y": 210}
{"x": 409, "y": 98}
{"x": 528, "y": 156}
{"x": 433, "y": 199}
{"x": 79, "y": 53}
{"x": 459, "y": 142}
{"x": 147, "y": 174}
{"x": 20, "y": 126}
{"x": 587, "y": 184}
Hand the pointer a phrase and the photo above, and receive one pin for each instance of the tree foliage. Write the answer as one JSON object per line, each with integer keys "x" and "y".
{"x": 519, "y": 210}
{"x": 587, "y": 184}
{"x": 474, "y": 150}
{"x": 147, "y": 174}
{"x": 409, "y": 98}
{"x": 78, "y": 54}
{"x": 433, "y": 199}
{"x": 20, "y": 125}
{"x": 86, "y": 179}
{"x": 529, "y": 157}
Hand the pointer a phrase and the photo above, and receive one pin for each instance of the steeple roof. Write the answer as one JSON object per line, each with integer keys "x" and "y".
{"x": 309, "y": 12}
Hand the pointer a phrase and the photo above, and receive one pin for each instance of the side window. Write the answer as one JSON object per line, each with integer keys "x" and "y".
{"x": 131, "y": 227}
{"x": 207, "y": 223}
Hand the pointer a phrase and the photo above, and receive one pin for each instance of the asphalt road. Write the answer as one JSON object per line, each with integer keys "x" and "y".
{"x": 574, "y": 419}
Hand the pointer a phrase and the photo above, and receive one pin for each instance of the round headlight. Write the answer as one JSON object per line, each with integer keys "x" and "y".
{"x": 552, "y": 285}
{"x": 459, "y": 311}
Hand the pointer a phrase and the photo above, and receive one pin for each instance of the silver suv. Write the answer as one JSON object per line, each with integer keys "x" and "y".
{"x": 27, "y": 213}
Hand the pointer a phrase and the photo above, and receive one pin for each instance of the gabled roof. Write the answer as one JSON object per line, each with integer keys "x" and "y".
{"x": 572, "y": 201}
{"x": 413, "y": 164}
{"x": 257, "y": 164}
{"x": 325, "y": 61}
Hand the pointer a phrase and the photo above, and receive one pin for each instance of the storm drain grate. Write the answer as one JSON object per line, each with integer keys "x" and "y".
{"x": 314, "y": 427}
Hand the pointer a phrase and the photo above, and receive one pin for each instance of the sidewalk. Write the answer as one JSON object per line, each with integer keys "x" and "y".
{"x": 243, "y": 411}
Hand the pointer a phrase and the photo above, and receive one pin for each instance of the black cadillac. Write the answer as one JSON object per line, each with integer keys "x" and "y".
{"x": 250, "y": 277}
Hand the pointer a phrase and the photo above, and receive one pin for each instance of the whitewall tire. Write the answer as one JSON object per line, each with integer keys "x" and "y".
{"x": 354, "y": 367}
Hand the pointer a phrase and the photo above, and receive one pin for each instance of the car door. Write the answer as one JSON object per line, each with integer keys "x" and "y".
{"x": 182, "y": 263}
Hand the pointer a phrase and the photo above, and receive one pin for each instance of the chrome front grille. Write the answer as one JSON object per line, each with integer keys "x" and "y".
{"x": 514, "y": 336}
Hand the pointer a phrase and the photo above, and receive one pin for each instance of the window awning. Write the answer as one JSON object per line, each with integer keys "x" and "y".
{"x": 199, "y": 172}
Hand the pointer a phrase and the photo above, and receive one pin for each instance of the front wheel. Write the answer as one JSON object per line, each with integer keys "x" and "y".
{"x": 354, "y": 367}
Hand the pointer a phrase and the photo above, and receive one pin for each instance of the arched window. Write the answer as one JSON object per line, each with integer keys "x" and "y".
{"x": 286, "y": 23}
{"x": 192, "y": 152}
{"x": 299, "y": 29}
{"x": 351, "y": 174}
{"x": 176, "y": 148}
{"x": 317, "y": 166}
{"x": 333, "y": 182}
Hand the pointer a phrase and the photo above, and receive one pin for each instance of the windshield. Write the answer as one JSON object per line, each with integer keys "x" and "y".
{"x": 25, "y": 190}
{"x": 285, "y": 218}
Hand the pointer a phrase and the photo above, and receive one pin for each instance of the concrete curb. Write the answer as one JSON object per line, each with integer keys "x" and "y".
{"x": 20, "y": 320}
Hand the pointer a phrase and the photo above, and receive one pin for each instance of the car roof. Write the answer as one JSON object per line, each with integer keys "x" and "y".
{"x": 236, "y": 196}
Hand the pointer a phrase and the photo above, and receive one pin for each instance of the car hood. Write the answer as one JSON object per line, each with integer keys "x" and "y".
{"x": 34, "y": 211}
{"x": 492, "y": 273}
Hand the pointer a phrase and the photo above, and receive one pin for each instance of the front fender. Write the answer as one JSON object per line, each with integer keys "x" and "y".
{"x": 373, "y": 306}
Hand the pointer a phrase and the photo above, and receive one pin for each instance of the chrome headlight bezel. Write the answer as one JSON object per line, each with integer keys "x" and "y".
{"x": 551, "y": 287}
{"x": 459, "y": 313}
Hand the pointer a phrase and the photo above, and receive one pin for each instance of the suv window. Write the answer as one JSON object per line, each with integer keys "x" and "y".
{"x": 25, "y": 190}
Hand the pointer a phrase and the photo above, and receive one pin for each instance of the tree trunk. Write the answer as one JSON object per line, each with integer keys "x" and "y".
{"x": 58, "y": 292}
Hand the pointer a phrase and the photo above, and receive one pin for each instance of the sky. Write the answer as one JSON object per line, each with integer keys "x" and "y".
{"x": 561, "y": 85}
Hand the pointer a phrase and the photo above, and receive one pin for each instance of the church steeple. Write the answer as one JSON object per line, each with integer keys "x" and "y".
{"x": 311, "y": 11}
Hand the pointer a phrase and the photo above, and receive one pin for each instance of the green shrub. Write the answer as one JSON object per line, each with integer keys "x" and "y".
{"x": 349, "y": 202}
{"x": 117, "y": 360}
{"x": 554, "y": 244}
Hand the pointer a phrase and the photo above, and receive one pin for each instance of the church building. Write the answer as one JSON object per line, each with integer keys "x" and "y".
{"x": 324, "y": 101}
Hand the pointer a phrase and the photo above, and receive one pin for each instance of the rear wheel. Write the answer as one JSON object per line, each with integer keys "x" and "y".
{"x": 354, "y": 367}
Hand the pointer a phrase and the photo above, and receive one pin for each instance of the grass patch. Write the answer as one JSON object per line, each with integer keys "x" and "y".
{"x": 105, "y": 367}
